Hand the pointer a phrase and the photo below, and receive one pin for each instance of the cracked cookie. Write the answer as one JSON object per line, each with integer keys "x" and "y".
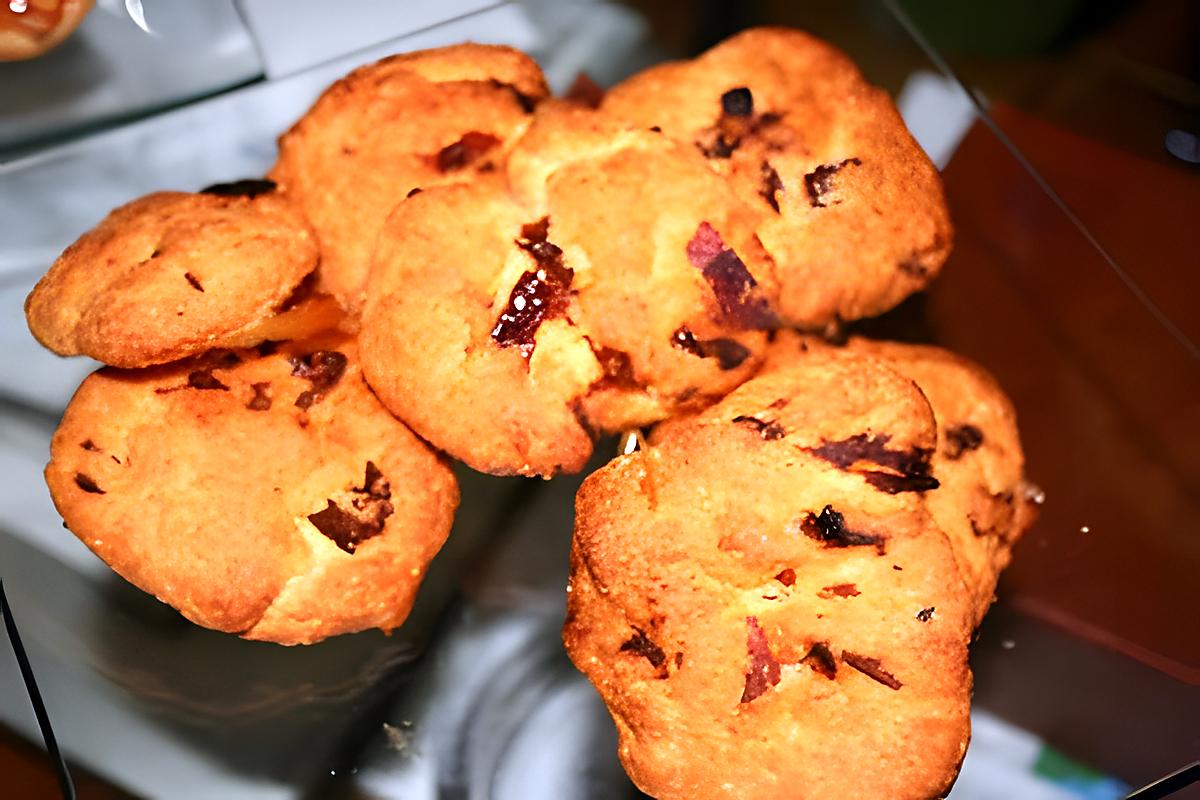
{"x": 262, "y": 492}
{"x": 608, "y": 283}
{"x": 398, "y": 126}
{"x": 174, "y": 274}
{"x": 761, "y": 593}
{"x": 983, "y": 503}
{"x": 848, "y": 206}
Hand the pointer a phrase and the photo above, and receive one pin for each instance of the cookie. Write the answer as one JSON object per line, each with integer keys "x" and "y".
{"x": 266, "y": 494}
{"x": 400, "y": 125}
{"x": 850, "y": 209}
{"x": 174, "y": 274}
{"x": 761, "y": 593}
{"x": 603, "y": 282}
{"x": 32, "y": 27}
{"x": 978, "y": 461}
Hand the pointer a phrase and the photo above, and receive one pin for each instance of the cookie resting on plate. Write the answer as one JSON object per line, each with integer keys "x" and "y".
{"x": 764, "y": 601}
{"x": 174, "y": 274}
{"x": 606, "y": 284}
{"x": 404, "y": 123}
{"x": 260, "y": 492}
{"x": 848, "y": 206}
{"x": 982, "y": 502}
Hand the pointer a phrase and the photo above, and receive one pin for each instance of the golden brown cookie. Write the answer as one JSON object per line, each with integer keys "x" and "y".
{"x": 978, "y": 461}
{"x": 29, "y": 28}
{"x": 611, "y": 285}
{"x": 387, "y": 129}
{"x": 266, "y": 494}
{"x": 850, "y": 208}
{"x": 174, "y": 274}
{"x": 761, "y": 595}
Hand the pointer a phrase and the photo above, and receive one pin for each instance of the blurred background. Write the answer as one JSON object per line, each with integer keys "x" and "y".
{"x": 1075, "y": 280}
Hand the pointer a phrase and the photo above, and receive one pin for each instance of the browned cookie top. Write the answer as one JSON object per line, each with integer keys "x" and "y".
{"x": 609, "y": 284}
{"x": 983, "y": 502}
{"x": 760, "y": 594}
{"x": 387, "y": 129}
{"x": 849, "y": 207}
{"x": 266, "y": 494}
{"x": 173, "y": 274}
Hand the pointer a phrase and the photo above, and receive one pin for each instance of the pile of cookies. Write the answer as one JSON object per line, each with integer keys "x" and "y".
{"x": 447, "y": 262}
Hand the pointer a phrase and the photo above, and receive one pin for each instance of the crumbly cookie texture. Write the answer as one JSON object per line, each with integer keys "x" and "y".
{"x": 174, "y": 274}
{"x": 260, "y": 492}
{"x": 761, "y": 594}
{"x": 849, "y": 207}
{"x": 607, "y": 284}
{"x": 394, "y": 127}
{"x": 983, "y": 502}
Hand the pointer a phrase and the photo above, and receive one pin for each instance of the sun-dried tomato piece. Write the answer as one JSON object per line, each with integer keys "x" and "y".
{"x": 821, "y": 660}
{"x": 962, "y": 439}
{"x": 819, "y": 182}
{"x": 736, "y": 291}
{"x": 683, "y": 339}
{"x": 729, "y": 353}
{"x": 261, "y": 401}
{"x": 360, "y": 515}
{"x": 641, "y": 645}
{"x": 737, "y": 102}
{"x": 737, "y": 123}
{"x": 772, "y": 184}
{"x": 466, "y": 150}
{"x": 538, "y": 295}
{"x": 911, "y": 467}
{"x": 248, "y": 187}
{"x": 839, "y": 590}
{"x": 787, "y": 576}
{"x": 323, "y": 369}
{"x": 86, "y": 483}
{"x": 895, "y": 484}
{"x": 871, "y": 668}
{"x": 829, "y": 528}
{"x": 764, "y": 671}
{"x": 204, "y": 379}
{"x": 618, "y": 369}
{"x": 767, "y": 429}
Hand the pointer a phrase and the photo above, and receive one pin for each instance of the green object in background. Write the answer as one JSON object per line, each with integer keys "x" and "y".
{"x": 1009, "y": 28}
{"x": 1058, "y": 768}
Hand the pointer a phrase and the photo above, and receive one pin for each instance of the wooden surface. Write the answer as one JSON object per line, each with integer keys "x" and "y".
{"x": 26, "y": 773}
{"x": 1108, "y": 402}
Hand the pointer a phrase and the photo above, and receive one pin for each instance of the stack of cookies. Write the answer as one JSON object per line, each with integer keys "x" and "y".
{"x": 773, "y": 592}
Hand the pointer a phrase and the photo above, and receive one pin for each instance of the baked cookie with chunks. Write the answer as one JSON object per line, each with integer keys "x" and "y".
{"x": 260, "y": 492}
{"x": 174, "y": 274}
{"x": 611, "y": 285}
{"x": 984, "y": 503}
{"x": 761, "y": 593}
{"x": 29, "y": 28}
{"x": 850, "y": 208}
{"x": 390, "y": 128}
